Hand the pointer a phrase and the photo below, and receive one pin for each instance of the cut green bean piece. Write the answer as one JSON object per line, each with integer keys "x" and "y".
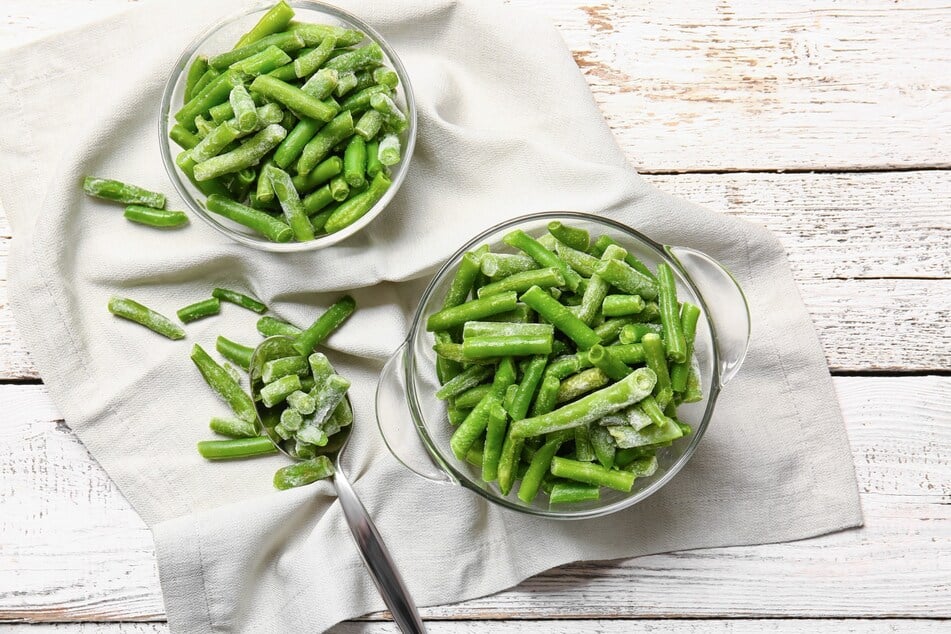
{"x": 656, "y": 358}
{"x": 358, "y": 206}
{"x": 633, "y": 333}
{"x": 506, "y": 346}
{"x": 235, "y": 352}
{"x": 472, "y": 310}
{"x": 162, "y": 218}
{"x": 326, "y": 170}
{"x": 574, "y": 237}
{"x": 185, "y": 139}
{"x": 314, "y": 202}
{"x": 122, "y": 192}
{"x": 245, "y": 155}
{"x": 274, "y": 20}
{"x": 582, "y": 383}
{"x": 633, "y": 388}
{"x": 202, "y": 82}
{"x": 494, "y": 438}
{"x": 262, "y": 63}
{"x": 693, "y": 391}
{"x": 215, "y": 142}
{"x": 303, "y": 473}
{"x": 622, "y": 305}
{"x": 559, "y": 316}
{"x": 579, "y": 261}
{"x": 465, "y": 380}
{"x": 602, "y": 243}
{"x": 367, "y": 56}
{"x": 592, "y": 474}
{"x": 674, "y": 341}
{"x": 355, "y": 161}
{"x": 228, "y": 389}
{"x": 134, "y": 311}
{"x": 369, "y": 124}
{"x": 388, "y": 152}
{"x": 280, "y": 389}
{"x": 302, "y": 403}
{"x": 621, "y": 276}
{"x": 237, "y": 448}
{"x": 521, "y": 282}
{"x": 347, "y": 81}
{"x": 359, "y": 102}
{"x": 313, "y": 34}
{"x": 643, "y": 467}
{"x": 539, "y": 466}
{"x": 259, "y": 221}
{"x": 286, "y": 41}
{"x": 689, "y": 314}
{"x": 291, "y": 204}
{"x": 569, "y": 492}
{"x": 269, "y": 327}
{"x": 309, "y": 62}
{"x": 337, "y": 130}
{"x": 277, "y": 368}
{"x": 505, "y": 329}
{"x": 239, "y": 299}
{"x": 328, "y": 396}
{"x": 386, "y": 77}
{"x": 198, "y": 310}
{"x": 321, "y": 84}
{"x": 471, "y": 397}
{"x": 501, "y": 265}
{"x": 374, "y": 166}
{"x": 339, "y": 189}
{"x": 245, "y": 112}
{"x": 603, "y": 445}
{"x": 463, "y": 280}
{"x": 291, "y": 418}
{"x": 605, "y": 359}
{"x": 195, "y": 72}
{"x": 393, "y": 117}
{"x": 232, "y": 427}
{"x": 329, "y": 321}
{"x": 294, "y": 98}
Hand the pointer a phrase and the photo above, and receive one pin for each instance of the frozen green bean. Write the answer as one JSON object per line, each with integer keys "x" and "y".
{"x": 633, "y": 333}
{"x": 326, "y": 170}
{"x": 236, "y": 448}
{"x": 329, "y": 321}
{"x": 559, "y": 316}
{"x": 574, "y": 237}
{"x": 338, "y": 129}
{"x": 313, "y": 34}
{"x": 689, "y": 314}
{"x": 633, "y": 388}
{"x": 339, "y": 189}
{"x": 290, "y": 203}
{"x": 465, "y": 380}
{"x": 259, "y": 221}
{"x": 134, "y": 311}
{"x": 275, "y": 392}
{"x": 582, "y": 383}
{"x": 230, "y": 392}
{"x": 656, "y": 358}
{"x": 275, "y": 369}
{"x": 215, "y": 92}
{"x": 355, "y": 161}
{"x": 303, "y": 473}
{"x": 494, "y": 438}
{"x": 622, "y": 305}
{"x": 235, "y": 352}
{"x": 506, "y": 346}
{"x": 245, "y": 112}
{"x": 369, "y": 125}
{"x": 274, "y": 20}
{"x": 287, "y": 41}
{"x": 521, "y": 282}
{"x": 232, "y": 427}
{"x": 239, "y": 299}
{"x": 185, "y": 139}
{"x": 269, "y": 327}
{"x": 162, "y": 218}
{"x": 198, "y": 310}
{"x": 592, "y": 474}
{"x": 309, "y": 62}
{"x": 472, "y": 310}
{"x": 294, "y": 98}
{"x": 262, "y": 63}
{"x": 674, "y": 341}
{"x": 122, "y": 193}
{"x": 393, "y": 117}
{"x": 624, "y": 278}
{"x": 367, "y": 56}
{"x": 245, "y": 155}
{"x": 388, "y": 151}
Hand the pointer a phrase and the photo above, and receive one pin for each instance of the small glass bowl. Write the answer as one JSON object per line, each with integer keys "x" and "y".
{"x": 221, "y": 37}
{"x": 413, "y": 421}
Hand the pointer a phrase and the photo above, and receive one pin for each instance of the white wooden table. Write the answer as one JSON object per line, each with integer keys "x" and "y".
{"x": 827, "y": 121}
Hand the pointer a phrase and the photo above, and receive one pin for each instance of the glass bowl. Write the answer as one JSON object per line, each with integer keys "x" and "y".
{"x": 221, "y": 37}
{"x": 414, "y": 423}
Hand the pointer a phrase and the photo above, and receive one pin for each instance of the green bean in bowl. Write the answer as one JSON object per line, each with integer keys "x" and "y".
{"x": 562, "y": 365}
{"x": 291, "y": 127}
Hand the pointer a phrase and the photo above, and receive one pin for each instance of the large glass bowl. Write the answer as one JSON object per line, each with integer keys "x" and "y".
{"x": 221, "y": 37}
{"x": 414, "y": 423}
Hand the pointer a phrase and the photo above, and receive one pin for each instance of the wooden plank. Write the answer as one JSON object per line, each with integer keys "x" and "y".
{"x": 80, "y": 553}
{"x": 706, "y": 626}
{"x": 717, "y": 85}
{"x": 876, "y": 281}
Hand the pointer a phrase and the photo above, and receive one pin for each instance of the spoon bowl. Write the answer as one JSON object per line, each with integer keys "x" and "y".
{"x": 369, "y": 543}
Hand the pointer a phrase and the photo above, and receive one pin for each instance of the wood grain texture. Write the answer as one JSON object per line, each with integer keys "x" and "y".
{"x": 80, "y": 553}
{"x": 706, "y": 626}
{"x": 727, "y": 84}
{"x": 869, "y": 250}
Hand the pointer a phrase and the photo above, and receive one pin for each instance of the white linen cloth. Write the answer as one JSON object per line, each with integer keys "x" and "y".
{"x": 507, "y": 126}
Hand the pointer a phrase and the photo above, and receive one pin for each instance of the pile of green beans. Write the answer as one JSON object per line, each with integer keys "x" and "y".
{"x": 309, "y": 394}
{"x": 562, "y": 365}
{"x": 292, "y": 133}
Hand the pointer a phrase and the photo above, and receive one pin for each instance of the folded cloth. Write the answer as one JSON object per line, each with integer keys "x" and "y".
{"x": 507, "y": 126}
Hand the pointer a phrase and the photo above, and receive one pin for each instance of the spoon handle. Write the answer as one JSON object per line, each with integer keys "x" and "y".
{"x": 377, "y": 559}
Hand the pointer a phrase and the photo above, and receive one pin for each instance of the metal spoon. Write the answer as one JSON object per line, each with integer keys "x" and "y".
{"x": 369, "y": 543}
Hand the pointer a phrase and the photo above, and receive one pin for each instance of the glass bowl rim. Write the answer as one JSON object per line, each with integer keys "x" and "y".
{"x": 262, "y": 244}
{"x": 463, "y": 479}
